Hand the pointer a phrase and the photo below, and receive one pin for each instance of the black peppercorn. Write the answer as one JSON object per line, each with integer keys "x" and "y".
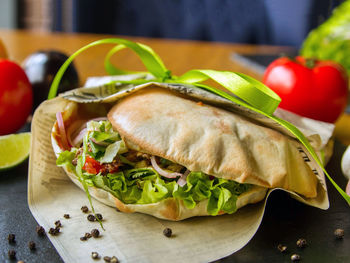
{"x": 114, "y": 260}
{"x": 84, "y": 238}
{"x": 40, "y": 230}
{"x": 88, "y": 235}
{"x": 295, "y": 257}
{"x": 167, "y": 232}
{"x": 58, "y": 224}
{"x": 11, "y": 238}
{"x": 107, "y": 259}
{"x": 54, "y": 231}
{"x": 66, "y": 216}
{"x": 51, "y": 231}
{"x": 339, "y": 233}
{"x": 85, "y": 209}
{"x": 95, "y": 233}
{"x": 12, "y": 254}
{"x": 95, "y": 255}
{"x": 91, "y": 218}
{"x": 99, "y": 217}
{"x": 301, "y": 243}
{"x": 32, "y": 245}
{"x": 282, "y": 248}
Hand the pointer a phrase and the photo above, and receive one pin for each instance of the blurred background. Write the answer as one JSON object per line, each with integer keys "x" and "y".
{"x": 275, "y": 22}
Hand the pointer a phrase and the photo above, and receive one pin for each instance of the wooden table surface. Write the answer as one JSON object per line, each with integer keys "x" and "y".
{"x": 178, "y": 55}
{"x": 285, "y": 219}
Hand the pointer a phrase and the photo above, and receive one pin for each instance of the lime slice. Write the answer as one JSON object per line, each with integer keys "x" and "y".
{"x": 14, "y": 149}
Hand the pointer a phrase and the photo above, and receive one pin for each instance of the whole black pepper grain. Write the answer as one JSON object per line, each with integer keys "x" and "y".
{"x": 301, "y": 243}
{"x": 99, "y": 217}
{"x": 95, "y": 233}
{"x": 114, "y": 260}
{"x": 84, "y": 209}
{"x": 339, "y": 233}
{"x": 107, "y": 259}
{"x": 282, "y": 248}
{"x": 167, "y": 232}
{"x": 32, "y": 245}
{"x": 66, "y": 216}
{"x": 12, "y": 254}
{"x": 88, "y": 235}
{"x": 295, "y": 257}
{"x": 40, "y": 230}
{"x": 58, "y": 224}
{"x": 91, "y": 218}
{"x": 54, "y": 231}
{"x": 95, "y": 255}
{"x": 84, "y": 238}
{"x": 11, "y": 238}
{"x": 51, "y": 231}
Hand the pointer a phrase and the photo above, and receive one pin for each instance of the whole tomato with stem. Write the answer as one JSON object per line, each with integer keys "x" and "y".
{"x": 312, "y": 88}
{"x": 16, "y": 97}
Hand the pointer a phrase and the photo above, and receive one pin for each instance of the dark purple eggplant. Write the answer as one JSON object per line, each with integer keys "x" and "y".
{"x": 41, "y": 68}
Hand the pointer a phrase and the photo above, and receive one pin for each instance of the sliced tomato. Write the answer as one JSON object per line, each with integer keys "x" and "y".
{"x": 91, "y": 165}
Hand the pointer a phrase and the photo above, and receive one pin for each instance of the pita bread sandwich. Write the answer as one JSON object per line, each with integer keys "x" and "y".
{"x": 173, "y": 156}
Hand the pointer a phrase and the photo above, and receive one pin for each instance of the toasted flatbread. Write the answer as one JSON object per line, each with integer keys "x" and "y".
{"x": 202, "y": 138}
{"x": 212, "y": 140}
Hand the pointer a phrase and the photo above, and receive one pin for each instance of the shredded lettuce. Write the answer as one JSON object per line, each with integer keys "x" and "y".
{"x": 66, "y": 159}
{"x": 135, "y": 185}
{"x": 110, "y": 152}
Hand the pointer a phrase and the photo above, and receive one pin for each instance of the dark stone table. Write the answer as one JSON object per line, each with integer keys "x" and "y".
{"x": 285, "y": 221}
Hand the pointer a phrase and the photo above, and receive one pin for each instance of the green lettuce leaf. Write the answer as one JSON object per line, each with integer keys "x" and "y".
{"x": 110, "y": 152}
{"x": 65, "y": 159}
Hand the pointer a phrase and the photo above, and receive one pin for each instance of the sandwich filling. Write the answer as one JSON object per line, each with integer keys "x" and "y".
{"x": 99, "y": 156}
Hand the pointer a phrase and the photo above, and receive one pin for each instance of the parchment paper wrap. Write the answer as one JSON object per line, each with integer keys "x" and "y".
{"x": 138, "y": 237}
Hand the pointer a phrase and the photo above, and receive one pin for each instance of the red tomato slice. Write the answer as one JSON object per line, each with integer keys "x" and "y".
{"x": 91, "y": 165}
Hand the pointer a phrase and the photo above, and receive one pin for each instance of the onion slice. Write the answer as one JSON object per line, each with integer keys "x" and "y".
{"x": 161, "y": 171}
{"x": 62, "y": 131}
{"x": 79, "y": 138}
{"x": 182, "y": 180}
{"x": 100, "y": 143}
{"x": 73, "y": 130}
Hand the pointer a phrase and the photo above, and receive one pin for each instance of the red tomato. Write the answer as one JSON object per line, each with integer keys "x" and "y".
{"x": 91, "y": 165}
{"x": 16, "y": 97}
{"x": 310, "y": 88}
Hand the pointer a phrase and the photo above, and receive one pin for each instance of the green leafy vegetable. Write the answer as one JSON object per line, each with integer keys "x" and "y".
{"x": 331, "y": 40}
{"x": 66, "y": 158}
{"x": 110, "y": 152}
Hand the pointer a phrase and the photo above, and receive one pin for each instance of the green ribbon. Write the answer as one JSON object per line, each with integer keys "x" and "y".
{"x": 248, "y": 92}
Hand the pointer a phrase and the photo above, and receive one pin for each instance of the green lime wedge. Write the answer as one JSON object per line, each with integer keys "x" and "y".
{"x": 14, "y": 149}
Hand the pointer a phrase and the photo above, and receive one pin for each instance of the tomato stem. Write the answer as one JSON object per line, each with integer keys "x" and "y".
{"x": 310, "y": 62}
